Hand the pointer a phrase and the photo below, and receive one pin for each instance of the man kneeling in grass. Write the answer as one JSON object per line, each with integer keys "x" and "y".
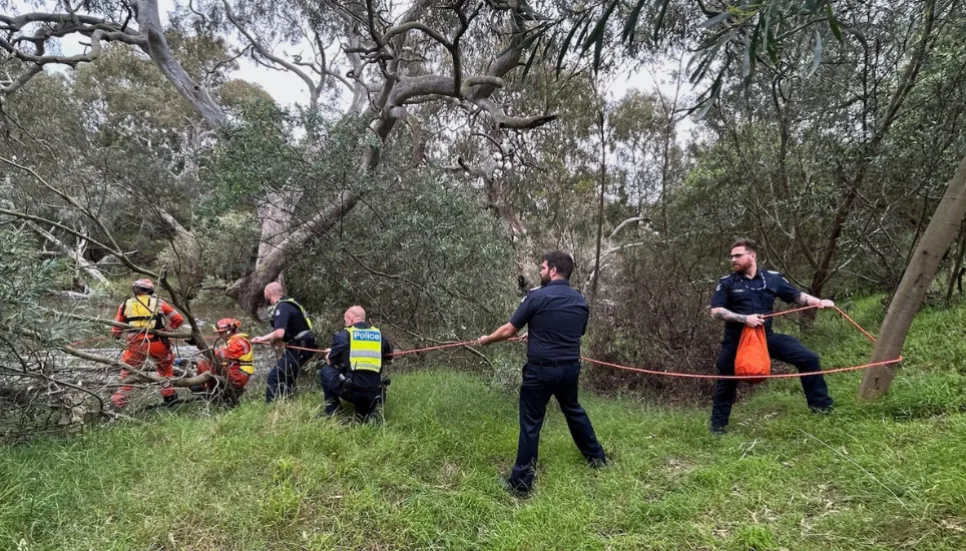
{"x": 353, "y": 370}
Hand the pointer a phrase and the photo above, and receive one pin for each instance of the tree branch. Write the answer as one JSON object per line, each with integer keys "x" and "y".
{"x": 264, "y": 52}
{"x": 142, "y": 375}
{"x": 82, "y": 262}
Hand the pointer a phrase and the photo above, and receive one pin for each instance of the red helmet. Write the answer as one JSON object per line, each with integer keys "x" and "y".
{"x": 227, "y": 324}
{"x": 143, "y": 285}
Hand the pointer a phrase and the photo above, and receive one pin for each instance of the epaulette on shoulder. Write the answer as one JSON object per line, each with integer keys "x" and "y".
{"x": 773, "y": 272}
{"x": 724, "y": 277}
{"x": 530, "y": 291}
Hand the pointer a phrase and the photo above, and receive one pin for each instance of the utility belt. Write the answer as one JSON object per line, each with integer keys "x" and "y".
{"x": 350, "y": 383}
{"x": 305, "y": 339}
{"x": 552, "y": 363}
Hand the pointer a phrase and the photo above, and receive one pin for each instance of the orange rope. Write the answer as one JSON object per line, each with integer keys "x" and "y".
{"x": 401, "y": 352}
{"x": 755, "y": 377}
{"x": 784, "y": 312}
{"x": 836, "y": 308}
{"x": 760, "y": 377}
{"x": 651, "y": 371}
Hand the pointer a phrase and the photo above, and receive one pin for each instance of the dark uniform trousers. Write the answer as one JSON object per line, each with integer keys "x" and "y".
{"x": 364, "y": 391}
{"x": 784, "y": 348}
{"x": 540, "y": 382}
{"x": 282, "y": 377}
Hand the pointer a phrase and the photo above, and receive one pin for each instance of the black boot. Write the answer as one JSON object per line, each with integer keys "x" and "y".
{"x": 172, "y": 401}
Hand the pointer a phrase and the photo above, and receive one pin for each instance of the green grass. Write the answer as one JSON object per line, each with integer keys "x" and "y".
{"x": 884, "y": 475}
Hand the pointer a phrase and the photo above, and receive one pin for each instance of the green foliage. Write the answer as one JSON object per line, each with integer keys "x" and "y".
{"x": 418, "y": 251}
{"x": 251, "y": 158}
{"x": 23, "y": 280}
{"x": 728, "y": 40}
{"x": 229, "y": 242}
{"x": 29, "y": 395}
{"x": 419, "y": 254}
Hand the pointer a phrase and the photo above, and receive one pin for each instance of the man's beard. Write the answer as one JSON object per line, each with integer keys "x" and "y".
{"x": 544, "y": 279}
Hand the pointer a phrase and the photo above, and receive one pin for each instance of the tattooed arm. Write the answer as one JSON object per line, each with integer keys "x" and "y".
{"x": 806, "y": 299}
{"x": 754, "y": 320}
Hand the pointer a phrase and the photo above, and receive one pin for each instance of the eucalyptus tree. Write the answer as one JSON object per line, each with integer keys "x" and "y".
{"x": 394, "y": 57}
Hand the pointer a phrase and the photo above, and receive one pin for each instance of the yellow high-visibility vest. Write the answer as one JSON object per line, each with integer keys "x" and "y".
{"x": 144, "y": 314}
{"x": 292, "y": 301}
{"x": 365, "y": 349}
{"x": 247, "y": 362}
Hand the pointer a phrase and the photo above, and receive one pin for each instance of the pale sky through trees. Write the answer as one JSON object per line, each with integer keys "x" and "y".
{"x": 288, "y": 89}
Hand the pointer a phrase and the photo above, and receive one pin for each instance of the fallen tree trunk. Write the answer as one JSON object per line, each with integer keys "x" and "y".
{"x": 138, "y": 375}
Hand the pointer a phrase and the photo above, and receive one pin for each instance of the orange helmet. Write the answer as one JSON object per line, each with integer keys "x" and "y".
{"x": 143, "y": 285}
{"x": 227, "y": 324}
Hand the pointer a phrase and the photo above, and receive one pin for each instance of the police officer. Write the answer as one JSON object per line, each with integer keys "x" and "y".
{"x": 557, "y": 317}
{"x": 740, "y": 299}
{"x": 353, "y": 371}
{"x": 292, "y": 328}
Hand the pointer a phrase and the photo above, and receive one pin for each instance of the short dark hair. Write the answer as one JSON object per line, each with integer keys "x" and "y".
{"x": 748, "y": 244}
{"x": 561, "y": 261}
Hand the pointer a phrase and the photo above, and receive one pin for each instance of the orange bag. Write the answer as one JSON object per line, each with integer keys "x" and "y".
{"x": 752, "y": 357}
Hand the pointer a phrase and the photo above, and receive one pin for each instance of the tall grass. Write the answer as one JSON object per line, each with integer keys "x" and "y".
{"x": 881, "y": 475}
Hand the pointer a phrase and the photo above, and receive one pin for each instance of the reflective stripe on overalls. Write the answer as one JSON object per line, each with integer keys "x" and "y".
{"x": 247, "y": 362}
{"x": 365, "y": 349}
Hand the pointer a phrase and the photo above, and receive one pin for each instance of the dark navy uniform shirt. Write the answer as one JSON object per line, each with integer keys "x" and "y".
{"x": 757, "y": 295}
{"x": 557, "y": 315}
{"x": 287, "y": 316}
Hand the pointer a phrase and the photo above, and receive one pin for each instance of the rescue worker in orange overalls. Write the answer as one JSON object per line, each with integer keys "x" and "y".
{"x": 147, "y": 312}
{"x": 235, "y": 361}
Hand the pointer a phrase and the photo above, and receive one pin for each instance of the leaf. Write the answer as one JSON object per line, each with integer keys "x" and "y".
{"x": 630, "y": 24}
{"x": 705, "y": 105}
{"x": 714, "y": 20}
{"x": 705, "y": 64}
{"x": 816, "y": 56}
{"x": 772, "y": 51}
{"x": 751, "y": 51}
{"x": 546, "y": 49}
{"x": 533, "y": 54}
{"x": 566, "y": 43}
{"x": 768, "y": 38}
{"x": 833, "y": 23}
{"x": 856, "y": 33}
{"x": 659, "y": 20}
{"x": 583, "y": 33}
{"x": 596, "y": 36}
